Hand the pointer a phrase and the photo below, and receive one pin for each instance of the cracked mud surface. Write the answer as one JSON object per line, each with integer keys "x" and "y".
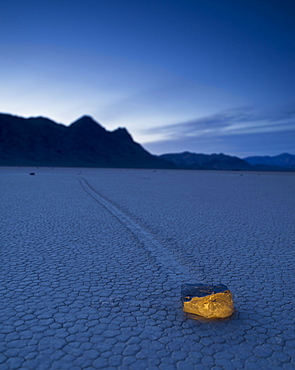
{"x": 93, "y": 260}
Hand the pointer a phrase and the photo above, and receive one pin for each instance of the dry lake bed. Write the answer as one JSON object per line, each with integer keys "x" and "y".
{"x": 92, "y": 263}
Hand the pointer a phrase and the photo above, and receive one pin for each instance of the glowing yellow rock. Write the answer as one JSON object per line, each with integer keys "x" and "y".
{"x": 210, "y": 301}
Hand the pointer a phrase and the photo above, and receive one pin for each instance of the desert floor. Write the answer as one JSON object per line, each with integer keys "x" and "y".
{"x": 92, "y": 262}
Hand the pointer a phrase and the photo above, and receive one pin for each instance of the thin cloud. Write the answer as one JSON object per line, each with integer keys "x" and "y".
{"x": 232, "y": 122}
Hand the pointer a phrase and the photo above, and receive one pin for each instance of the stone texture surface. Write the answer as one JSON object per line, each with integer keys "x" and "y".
{"x": 209, "y": 301}
{"x": 91, "y": 269}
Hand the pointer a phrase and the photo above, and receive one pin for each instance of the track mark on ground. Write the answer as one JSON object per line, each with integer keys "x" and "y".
{"x": 176, "y": 271}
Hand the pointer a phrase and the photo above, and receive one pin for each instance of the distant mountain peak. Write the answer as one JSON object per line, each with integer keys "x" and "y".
{"x": 86, "y": 123}
{"x": 122, "y": 129}
{"x": 86, "y": 118}
{"x": 122, "y": 133}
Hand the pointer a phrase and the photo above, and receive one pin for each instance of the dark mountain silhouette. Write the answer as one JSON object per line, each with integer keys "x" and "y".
{"x": 285, "y": 160}
{"x": 85, "y": 143}
{"x": 207, "y": 161}
{"x": 42, "y": 142}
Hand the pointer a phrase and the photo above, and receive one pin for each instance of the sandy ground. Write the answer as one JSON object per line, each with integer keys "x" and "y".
{"x": 92, "y": 261}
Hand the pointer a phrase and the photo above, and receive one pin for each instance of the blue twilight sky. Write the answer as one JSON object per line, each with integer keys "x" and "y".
{"x": 206, "y": 76}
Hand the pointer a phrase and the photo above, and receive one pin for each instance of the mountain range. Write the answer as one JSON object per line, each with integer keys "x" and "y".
{"x": 187, "y": 160}
{"x": 85, "y": 143}
{"x": 207, "y": 161}
{"x": 285, "y": 160}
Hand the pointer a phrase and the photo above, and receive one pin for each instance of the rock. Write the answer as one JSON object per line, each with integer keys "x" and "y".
{"x": 210, "y": 301}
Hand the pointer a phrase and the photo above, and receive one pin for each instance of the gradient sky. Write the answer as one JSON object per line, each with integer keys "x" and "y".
{"x": 206, "y": 76}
